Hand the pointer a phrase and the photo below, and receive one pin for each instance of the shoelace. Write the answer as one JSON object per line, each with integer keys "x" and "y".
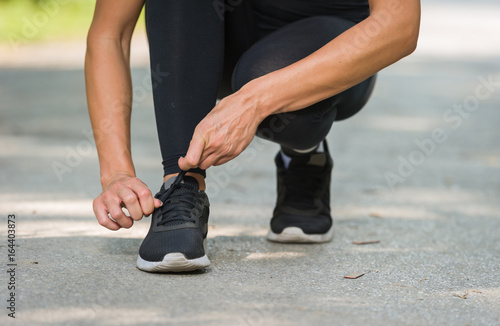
{"x": 177, "y": 206}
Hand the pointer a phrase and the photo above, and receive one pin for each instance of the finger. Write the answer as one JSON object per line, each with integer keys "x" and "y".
{"x": 223, "y": 160}
{"x": 114, "y": 208}
{"x": 101, "y": 214}
{"x": 193, "y": 155}
{"x": 119, "y": 216}
{"x": 207, "y": 153}
{"x": 145, "y": 198}
{"x": 208, "y": 162}
{"x": 131, "y": 202}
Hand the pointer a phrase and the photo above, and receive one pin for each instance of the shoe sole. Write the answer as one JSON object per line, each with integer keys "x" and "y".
{"x": 294, "y": 234}
{"x": 173, "y": 262}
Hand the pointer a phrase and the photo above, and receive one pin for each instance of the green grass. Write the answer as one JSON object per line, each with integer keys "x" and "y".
{"x": 27, "y": 21}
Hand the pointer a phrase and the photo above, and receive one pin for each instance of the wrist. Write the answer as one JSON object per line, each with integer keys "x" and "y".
{"x": 114, "y": 163}
{"x": 108, "y": 177}
{"x": 257, "y": 92}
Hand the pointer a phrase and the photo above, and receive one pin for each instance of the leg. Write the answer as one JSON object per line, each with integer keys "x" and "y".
{"x": 302, "y": 212}
{"x": 241, "y": 33}
{"x": 186, "y": 42}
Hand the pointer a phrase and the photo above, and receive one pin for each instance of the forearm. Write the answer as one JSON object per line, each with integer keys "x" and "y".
{"x": 109, "y": 96}
{"x": 382, "y": 39}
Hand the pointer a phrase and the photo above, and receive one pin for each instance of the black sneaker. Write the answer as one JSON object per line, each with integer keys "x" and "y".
{"x": 302, "y": 212}
{"x": 176, "y": 238}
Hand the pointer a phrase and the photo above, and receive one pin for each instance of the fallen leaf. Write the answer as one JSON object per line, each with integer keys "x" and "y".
{"x": 354, "y": 275}
{"x": 375, "y": 214}
{"x": 365, "y": 242}
{"x": 463, "y": 296}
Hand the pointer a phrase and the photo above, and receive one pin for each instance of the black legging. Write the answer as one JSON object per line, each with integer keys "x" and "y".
{"x": 206, "y": 53}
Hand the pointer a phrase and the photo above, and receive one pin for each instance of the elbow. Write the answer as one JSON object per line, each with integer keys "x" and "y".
{"x": 404, "y": 40}
{"x": 409, "y": 40}
{"x": 402, "y": 24}
{"x": 408, "y": 28}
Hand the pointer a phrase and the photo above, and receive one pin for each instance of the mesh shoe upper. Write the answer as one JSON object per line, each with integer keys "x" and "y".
{"x": 303, "y": 193}
{"x": 180, "y": 225}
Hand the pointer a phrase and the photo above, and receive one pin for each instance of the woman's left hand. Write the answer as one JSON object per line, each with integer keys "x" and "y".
{"x": 224, "y": 133}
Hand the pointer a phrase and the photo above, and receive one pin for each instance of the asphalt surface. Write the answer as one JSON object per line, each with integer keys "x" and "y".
{"x": 417, "y": 170}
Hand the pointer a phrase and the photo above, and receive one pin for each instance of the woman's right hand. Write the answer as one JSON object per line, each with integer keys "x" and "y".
{"x": 128, "y": 192}
{"x": 109, "y": 96}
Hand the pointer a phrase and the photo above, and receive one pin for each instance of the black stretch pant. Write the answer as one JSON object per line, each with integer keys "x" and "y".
{"x": 206, "y": 52}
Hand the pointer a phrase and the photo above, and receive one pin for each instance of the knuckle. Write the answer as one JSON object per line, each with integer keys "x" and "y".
{"x": 217, "y": 142}
{"x": 116, "y": 213}
{"x": 191, "y": 160}
{"x": 129, "y": 198}
{"x": 144, "y": 192}
{"x": 138, "y": 217}
{"x": 102, "y": 222}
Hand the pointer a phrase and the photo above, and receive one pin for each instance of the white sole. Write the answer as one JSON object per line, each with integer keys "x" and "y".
{"x": 173, "y": 262}
{"x": 294, "y": 234}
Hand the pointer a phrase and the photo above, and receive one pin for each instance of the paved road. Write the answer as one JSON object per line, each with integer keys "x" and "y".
{"x": 418, "y": 169}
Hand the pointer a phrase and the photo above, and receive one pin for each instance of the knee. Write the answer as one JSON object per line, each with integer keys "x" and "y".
{"x": 274, "y": 127}
{"x": 300, "y": 129}
{"x": 253, "y": 64}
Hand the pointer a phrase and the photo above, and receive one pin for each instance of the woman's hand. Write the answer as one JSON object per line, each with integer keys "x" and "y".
{"x": 109, "y": 96}
{"x": 387, "y": 35}
{"x": 224, "y": 133}
{"x": 124, "y": 191}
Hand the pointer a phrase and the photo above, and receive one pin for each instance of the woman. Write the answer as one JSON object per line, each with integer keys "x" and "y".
{"x": 285, "y": 70}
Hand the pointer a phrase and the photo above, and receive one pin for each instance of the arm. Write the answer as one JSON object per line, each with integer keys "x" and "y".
{"x": 387, "y": 35}
{"x": 109, "y": 96}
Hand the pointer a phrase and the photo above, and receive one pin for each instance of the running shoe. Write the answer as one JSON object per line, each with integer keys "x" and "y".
{"x": 176, "y": 238}
{"x": 302, "y": 212}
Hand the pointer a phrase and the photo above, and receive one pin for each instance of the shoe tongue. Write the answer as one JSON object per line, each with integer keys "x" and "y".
{"x": 191, "y": 182}
{"x": 186, "y": 180}
{"x": 311, "y": 160}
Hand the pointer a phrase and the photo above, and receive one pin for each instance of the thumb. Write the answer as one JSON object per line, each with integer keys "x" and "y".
{"x": 157, "y": 202}
{"x": 194, "y": 153}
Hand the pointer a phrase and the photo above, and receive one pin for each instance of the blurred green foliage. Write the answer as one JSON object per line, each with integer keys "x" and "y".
{"x": 25, "y": 21}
